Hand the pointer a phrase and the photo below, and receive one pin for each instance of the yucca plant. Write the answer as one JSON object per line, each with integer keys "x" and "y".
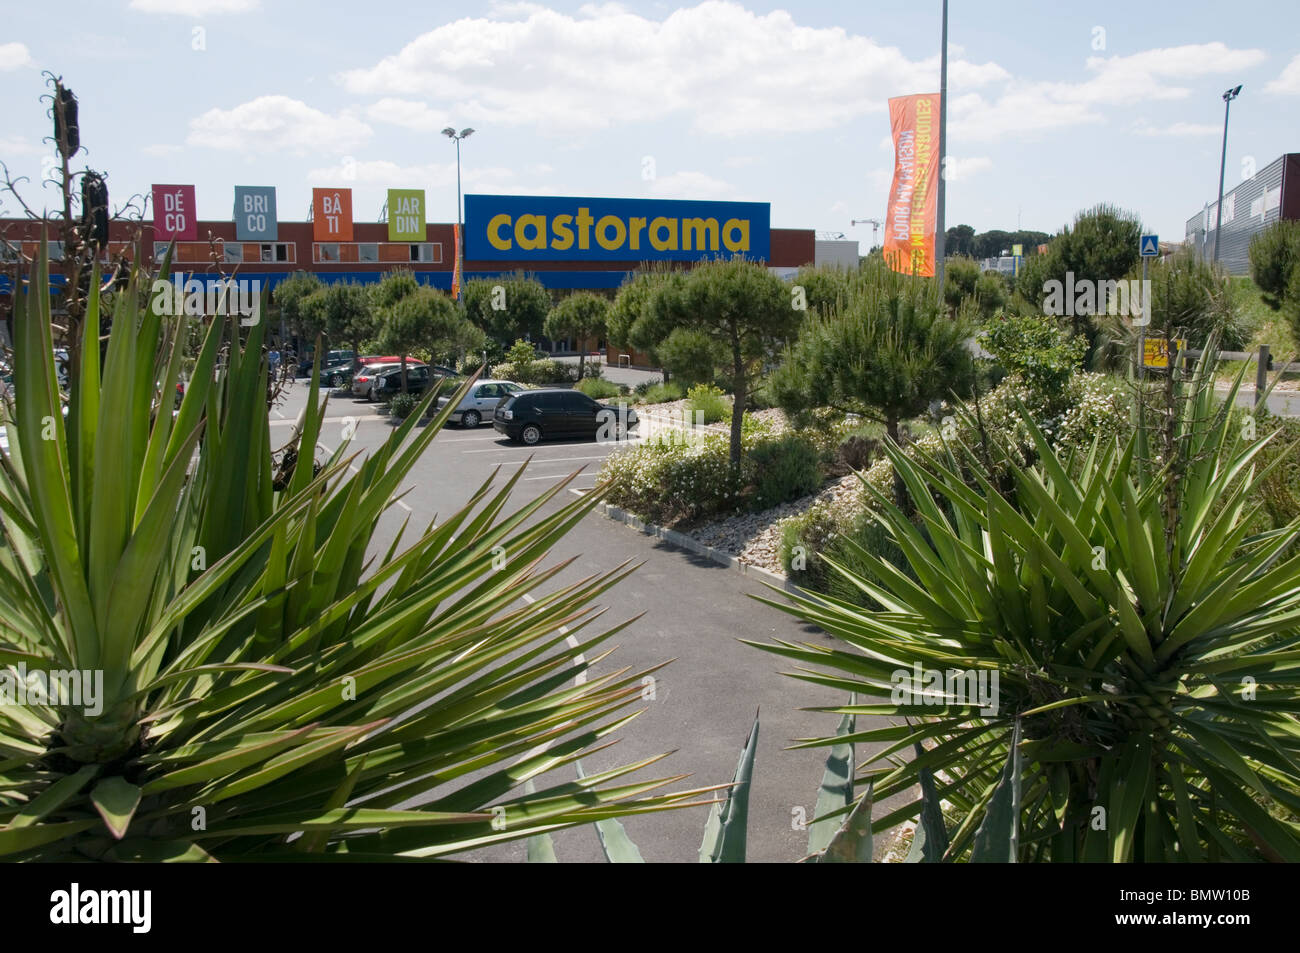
{"x": 1145, "y": 645}
{"x": 267, "y": 689}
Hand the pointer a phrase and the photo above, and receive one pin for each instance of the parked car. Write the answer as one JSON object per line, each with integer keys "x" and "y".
{"x": 338, "y": 374}
{"x": 364, "y": 379}
{"x": 418, "y": 379}
{"x": 480, "y": 403}
{"x": 532, "y": 415}
{"x": 61, "y": 366}
{"x": 331, "y": 357}
{"x": 370, "y": 381}
{"x": 368, "y": 360}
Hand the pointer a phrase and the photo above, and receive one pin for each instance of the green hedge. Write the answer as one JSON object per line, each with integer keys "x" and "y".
{"x": 598, "y": 389}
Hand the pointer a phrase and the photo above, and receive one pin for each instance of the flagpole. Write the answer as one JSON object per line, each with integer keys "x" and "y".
{"x": 939, "y": 236}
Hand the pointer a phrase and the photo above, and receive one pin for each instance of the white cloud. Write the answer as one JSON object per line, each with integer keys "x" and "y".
{"x": 1288, "y": 83}
{"x": 15, "y": 146}
{"x": 730, "y": 70}
{"x": 691, "y": 185}
{"x": 430, "y": 175}
{"x": 1179, "y": 129}
{"x": 1044, "y": 107}
{"x": 407, "y": 113}
{"x": 963, "y": 167}
{"x": 14, "y": 56}
{"x": 195, "y": 8}
{"x": 277, "y": 124}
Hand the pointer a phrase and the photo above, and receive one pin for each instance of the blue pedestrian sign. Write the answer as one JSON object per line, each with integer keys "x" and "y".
{"x": 1150, "y": 246}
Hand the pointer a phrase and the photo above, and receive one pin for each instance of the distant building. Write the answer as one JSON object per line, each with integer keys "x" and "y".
{"x": 1006, "y": 264}
{"x": 841, "y": 254}
{"x": 1272, "y": 193}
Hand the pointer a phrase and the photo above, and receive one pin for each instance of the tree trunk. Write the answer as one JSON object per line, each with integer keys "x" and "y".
{"x": 403, "y": 373}
{"x": 738, "y": 405}
{"x": 582, "y": 357}
{"x": 901, "y": 498}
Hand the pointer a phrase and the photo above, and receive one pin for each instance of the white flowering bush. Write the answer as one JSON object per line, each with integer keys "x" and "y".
{"x": 675, "y": 478}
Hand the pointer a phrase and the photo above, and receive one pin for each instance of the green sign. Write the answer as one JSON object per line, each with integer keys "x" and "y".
{"x": 406, "y": 215}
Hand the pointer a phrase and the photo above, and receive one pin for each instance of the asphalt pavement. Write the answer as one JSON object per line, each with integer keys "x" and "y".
{"x": 694, "y": 612}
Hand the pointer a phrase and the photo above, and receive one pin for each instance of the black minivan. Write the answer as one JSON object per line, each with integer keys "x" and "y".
{"x": 532, "y": 415}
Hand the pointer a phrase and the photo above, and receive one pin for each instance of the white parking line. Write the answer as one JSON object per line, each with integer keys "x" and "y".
{"x": 539, "y": 461}
{"x": 581, "y": 677}
{"x": 612, "y": 445}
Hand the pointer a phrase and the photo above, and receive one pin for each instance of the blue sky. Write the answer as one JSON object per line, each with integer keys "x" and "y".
{"x": 1052, "y": 107}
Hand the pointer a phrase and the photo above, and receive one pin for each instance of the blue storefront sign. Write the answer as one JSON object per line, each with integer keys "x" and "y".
{"x": 547, "y": 228}
{"x": 255, "y": 213}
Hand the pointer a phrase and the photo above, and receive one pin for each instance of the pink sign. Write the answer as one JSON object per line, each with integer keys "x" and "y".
{"x": 174, "y": 213}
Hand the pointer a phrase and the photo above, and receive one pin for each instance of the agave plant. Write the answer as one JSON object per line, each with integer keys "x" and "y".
{"x": 840, "y": 831}
{"x": 265, "y": 688}
{"x": 1143, "y": 636}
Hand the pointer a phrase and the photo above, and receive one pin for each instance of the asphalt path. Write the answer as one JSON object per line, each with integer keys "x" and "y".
{"x": 694, "y": 612}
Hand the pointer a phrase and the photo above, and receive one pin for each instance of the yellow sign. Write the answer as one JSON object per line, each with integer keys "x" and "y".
{"x": 1018, "y": 250}
{"x": 1155, "y": 351}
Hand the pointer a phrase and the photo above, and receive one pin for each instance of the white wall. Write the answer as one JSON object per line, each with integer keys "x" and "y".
{"x": 841, "y": 253}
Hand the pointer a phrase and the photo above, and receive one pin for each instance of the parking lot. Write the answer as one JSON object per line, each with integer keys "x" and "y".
{"x": 694, "y": 612}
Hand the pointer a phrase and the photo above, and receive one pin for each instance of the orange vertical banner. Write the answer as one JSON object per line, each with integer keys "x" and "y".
{"x": 455, "y": 271}
{"x": 914, "y": 194}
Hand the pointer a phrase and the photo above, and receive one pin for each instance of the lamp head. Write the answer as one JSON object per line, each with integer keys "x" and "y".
{"x": 1231, "y": 94}
{"x": 466, "y": 133}
{"x": 449, "y": 132}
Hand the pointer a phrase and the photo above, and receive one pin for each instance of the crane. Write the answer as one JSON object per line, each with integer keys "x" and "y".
{"x": 875, "y": 224}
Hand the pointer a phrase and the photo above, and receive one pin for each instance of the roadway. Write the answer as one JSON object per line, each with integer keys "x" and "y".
{"x": 694, "y": 612}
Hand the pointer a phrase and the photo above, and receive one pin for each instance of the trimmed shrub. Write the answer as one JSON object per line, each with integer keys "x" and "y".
{"x": 709, "y": 400}
{"x": 597, "y": 389}
{"x": 402, "y": 404}
{"x": 786, "y": 468}
{"x": 659, "y": 393}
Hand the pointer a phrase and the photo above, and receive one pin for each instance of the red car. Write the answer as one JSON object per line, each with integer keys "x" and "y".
{"x": 371, "y": 359}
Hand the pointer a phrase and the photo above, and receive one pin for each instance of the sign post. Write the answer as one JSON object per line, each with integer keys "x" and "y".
{"x": 1149, "y": 246}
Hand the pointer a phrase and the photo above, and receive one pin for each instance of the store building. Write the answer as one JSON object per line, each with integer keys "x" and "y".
{"x": 1270, "y": 194}
{"x": 566, "y": 243}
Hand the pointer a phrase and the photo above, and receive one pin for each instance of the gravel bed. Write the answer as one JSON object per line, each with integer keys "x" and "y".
{"x": 755, "y": 538}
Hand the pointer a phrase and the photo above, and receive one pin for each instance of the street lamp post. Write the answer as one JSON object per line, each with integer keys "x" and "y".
{"x": 1228, "y": 97}
{"x": 452, "y": 134}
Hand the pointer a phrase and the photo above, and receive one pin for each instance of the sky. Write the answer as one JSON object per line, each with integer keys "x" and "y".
{"x": 1053, "y": 107}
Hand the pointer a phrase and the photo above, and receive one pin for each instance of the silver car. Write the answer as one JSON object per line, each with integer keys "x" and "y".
{"x": 481, "y": 401}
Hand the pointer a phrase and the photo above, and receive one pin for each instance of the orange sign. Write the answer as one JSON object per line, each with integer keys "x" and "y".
{"x": 914, "y": 194}
{"x": 331, "y": 217}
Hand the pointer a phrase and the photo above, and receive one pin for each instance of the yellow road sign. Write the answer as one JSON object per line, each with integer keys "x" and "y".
{"x": 1155, "y": 351}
